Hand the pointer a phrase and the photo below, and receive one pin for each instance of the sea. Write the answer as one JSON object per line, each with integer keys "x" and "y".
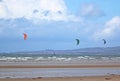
{"x": 14, "y": 57}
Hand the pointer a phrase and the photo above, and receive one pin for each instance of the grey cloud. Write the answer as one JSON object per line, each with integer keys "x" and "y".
{"x": 1, "y": 0}
{"x": 35, "y": 11}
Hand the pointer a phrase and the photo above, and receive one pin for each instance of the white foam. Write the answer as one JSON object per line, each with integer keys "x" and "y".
{"x": 68, "y": 59}
{"x": 15, "y": 58}
{"x": 61, "y": 59}
{"x": 7, "y": 58}
{"x": 54, "y": 58}
{"x": 39, "y": 59}
{"x": 83, "y": 57}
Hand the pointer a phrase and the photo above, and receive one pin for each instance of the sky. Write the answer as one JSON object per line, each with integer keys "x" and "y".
{"x": 55, "y": 24}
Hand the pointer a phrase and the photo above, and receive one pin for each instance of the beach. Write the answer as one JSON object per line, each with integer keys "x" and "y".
{"x": 67, "y": 68}
{"x": 92, "y": 78}
{"x": 65, "y": 71}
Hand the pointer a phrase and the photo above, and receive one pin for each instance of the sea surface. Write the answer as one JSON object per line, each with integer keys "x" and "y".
{"x": 6, "y": 57}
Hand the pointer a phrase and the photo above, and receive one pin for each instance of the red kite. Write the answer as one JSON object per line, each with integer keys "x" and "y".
{"x": 25, "y": 36}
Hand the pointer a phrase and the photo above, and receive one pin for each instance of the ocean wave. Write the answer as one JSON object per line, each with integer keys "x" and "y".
{"x": 55, "y": 58}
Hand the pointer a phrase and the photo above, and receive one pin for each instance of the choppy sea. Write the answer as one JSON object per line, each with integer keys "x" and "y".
{"x": 9, "y": 57}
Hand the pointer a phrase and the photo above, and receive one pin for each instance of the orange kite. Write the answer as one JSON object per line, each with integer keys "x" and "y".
{"x": 25, "y": 36}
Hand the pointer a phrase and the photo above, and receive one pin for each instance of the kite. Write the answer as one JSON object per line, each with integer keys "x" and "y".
{"x": 104, "y": 41}
{"x": 25, "y": 36}
{"x": 77, "y": 41}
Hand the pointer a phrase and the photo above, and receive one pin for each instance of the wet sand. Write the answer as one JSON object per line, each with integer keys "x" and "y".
{"x": 62, "y": 66}
{"x": 55, "y": 64}
{"x": 92, "y": 78}
{"x": 111, "y": 77}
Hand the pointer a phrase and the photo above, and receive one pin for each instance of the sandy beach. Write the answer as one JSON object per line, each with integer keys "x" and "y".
{"x": 62, "y": 66}
{"x": 68, "y": 72}
{"x": 60, "y": 71}
{"x": 93, "y": 78}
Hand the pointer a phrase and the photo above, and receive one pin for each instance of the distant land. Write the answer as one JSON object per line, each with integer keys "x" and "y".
{"x": 88, "y": 51}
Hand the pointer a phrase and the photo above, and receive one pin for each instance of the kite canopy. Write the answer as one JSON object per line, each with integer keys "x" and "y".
{"x": 78, "y": 41}
{"x": 25, "y": 36}
{"x": 104, "y": 41}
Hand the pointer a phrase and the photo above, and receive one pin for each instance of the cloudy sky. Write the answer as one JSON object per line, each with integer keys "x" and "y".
{"x": 55, "y": 24}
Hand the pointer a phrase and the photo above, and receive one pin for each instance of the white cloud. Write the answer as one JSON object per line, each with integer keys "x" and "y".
{"x": 3, "y": 10}
{"x": 111, "y": 28}
{"x": 91, "y": 10}
{"x": 55, "y": 10}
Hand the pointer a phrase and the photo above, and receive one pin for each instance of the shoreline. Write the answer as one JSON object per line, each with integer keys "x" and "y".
{"x": 59, "y": 71}
{"x": 60, "y": 66}
{"x": 84, "y": 78}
